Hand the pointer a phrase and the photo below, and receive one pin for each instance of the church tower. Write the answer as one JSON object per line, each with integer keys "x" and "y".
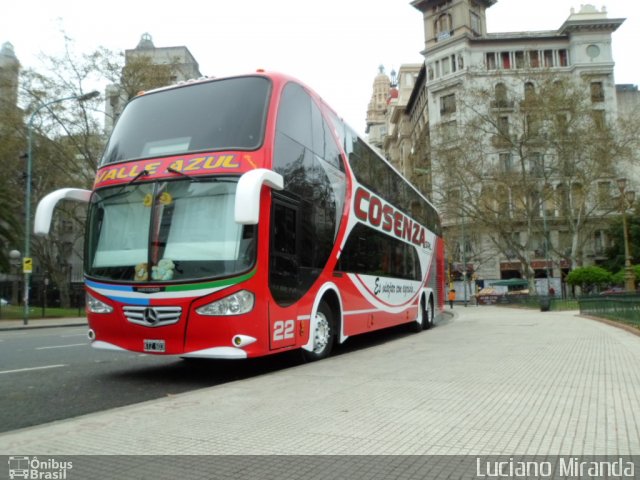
{"x": 9, "y": 74}
{"x": 452, "y": 19}
{"x": 377, "y": 109}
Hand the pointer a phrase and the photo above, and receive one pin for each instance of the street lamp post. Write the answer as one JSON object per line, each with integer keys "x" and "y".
{"x": 26, "y": 263}
{"x": 15, "y": 259}
{"x": 626, "y": 200}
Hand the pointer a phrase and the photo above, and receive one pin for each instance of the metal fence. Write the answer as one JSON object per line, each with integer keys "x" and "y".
{"x": 621, "y": 308}
{"x": 542, "y": 302}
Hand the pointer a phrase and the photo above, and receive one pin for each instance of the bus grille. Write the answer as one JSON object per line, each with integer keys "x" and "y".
{"x": 152, "y": 316}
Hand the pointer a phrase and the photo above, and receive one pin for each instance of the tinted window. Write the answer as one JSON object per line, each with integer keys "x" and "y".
{"x": 224, "y": 114}
{"x": 313, "y": 185}
{"x": 378, "y": 176}
{"x": 294, "y": 115}
{"x": 371, "y": 252}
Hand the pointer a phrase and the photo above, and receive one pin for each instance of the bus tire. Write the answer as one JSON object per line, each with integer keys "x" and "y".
{"x": 430, "y": 315}
{"x": 323, "y": 335}
{"x": 419, "y": 324}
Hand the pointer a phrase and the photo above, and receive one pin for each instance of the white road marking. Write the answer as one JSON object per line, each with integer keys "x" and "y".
{"x": 62, "y": 346}
{"x": 33, "y": 368}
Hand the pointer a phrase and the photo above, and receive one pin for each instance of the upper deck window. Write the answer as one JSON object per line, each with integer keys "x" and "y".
{"x": 228, "y": 114}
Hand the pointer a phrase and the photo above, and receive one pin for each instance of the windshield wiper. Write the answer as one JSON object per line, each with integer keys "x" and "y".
{"x": 143, "y": 173}
{"x": 192, "y": 179}
{"x": 122, "y": 191}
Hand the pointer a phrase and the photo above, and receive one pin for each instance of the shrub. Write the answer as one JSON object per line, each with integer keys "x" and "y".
{"x": 589, "y": 277}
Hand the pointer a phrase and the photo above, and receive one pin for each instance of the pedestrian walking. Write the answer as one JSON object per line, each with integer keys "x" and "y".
{"x": 452, "y": 297}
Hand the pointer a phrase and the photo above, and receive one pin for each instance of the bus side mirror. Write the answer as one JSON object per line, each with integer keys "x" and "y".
{"x": 247, "y": 207}
{"x": 44, "y": 211}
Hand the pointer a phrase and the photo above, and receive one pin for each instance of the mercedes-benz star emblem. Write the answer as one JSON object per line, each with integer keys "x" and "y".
{"x": 150, "y": 316}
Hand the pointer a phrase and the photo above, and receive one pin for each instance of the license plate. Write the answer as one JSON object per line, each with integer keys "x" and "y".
{"x": 155, "y": 346}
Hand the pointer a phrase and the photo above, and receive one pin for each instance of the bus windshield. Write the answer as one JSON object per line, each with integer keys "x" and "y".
{"x": 167, "y": 231}
{"x": 227, "y": 114}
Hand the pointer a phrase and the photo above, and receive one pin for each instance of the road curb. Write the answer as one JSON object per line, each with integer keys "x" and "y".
{"x": 39, "y": 327}
{"x": 629, "y": 328}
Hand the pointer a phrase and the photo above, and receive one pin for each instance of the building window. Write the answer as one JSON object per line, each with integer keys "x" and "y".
{"x": 548, "y": 58}
{"x": 503, "y": 125}
{"x": 491, "y": 61}
{"x": 476, "y": 26}
{"x": 443, "y": 26}
{"x": 597, "y": 92}
{"x": 505, "y": 58}
{"x": 532, "y": 125}
{"x": 534, "y": 59}
{"x": 562, "y": 123}
{"x": 501, "y": 96}
{"x": 605, "y": 199}
{"x": 519, "y": 59}
{"x": 506, "y": 163}
{"x": 548, "y": 201}
{"x": 563, "y": 56}
{"x": 448, "y": 104}
{"x": 536, "y": 165}
{"x": 529, "y": 92}
{"x": 446, "y": 66}
{"x": 599, "y": 242}
{"x": 562, "y": 198}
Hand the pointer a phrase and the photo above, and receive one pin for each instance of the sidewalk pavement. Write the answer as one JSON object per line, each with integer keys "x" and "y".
{"x": 491, "y": 380}
{"x": 41, "y": 323}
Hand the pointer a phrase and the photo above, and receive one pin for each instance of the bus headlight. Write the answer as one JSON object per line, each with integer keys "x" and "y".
{"x": 235, "y": 304}
{"x": 96, "y": 306}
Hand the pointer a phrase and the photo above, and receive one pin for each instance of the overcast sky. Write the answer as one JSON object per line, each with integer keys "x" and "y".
{"x": 334, "y": 46}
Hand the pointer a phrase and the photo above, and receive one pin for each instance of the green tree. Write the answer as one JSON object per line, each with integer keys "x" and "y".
{"x": 588, "y": 278}
{"x": 525, "y": 157}
{"x": 618, "y": 277}
{"x": 68, "y": 139}
{"x": 615, "y": 252}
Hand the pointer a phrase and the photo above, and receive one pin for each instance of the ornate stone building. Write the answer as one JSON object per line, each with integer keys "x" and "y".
{"x": 179, "y": 62}
{"x": 460, "y": 56}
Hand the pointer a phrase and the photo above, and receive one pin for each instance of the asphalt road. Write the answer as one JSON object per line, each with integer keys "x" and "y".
{"x": 53, "y": 374}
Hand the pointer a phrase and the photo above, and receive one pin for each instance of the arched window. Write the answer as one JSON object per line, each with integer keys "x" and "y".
{"x": 443, "y": 25}
{"x": 529, "y": 91}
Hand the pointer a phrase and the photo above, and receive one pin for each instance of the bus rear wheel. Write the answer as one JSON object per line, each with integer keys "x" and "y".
{"x": 430, "y": 315}
{"x": 425, "y": 319}
{"x": 323, "y": 334}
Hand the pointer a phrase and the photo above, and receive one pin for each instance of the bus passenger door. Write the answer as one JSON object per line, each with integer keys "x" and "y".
{"x": 284, "y": 271}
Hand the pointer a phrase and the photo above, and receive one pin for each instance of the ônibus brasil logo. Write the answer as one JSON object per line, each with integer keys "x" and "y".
{"x": 33, "y": 468}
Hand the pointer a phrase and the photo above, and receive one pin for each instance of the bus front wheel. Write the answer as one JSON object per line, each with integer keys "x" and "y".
{"x": 323, "y": 334}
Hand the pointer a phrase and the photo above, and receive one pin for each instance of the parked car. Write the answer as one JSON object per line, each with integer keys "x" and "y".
{"x": 612, "y": 291}
{"x": 3, "y": 302}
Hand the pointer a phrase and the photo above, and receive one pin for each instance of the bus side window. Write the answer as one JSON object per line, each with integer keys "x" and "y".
{"x": 285, "y": 246}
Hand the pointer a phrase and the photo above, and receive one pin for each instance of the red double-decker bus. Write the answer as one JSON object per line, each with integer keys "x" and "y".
{"x": 238, "y": 217}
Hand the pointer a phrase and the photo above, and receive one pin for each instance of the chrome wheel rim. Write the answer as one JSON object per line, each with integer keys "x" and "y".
{"x": 322, "y": 334}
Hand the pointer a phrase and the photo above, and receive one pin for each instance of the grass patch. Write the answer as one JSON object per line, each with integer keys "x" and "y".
{"x": 12, "y": 312}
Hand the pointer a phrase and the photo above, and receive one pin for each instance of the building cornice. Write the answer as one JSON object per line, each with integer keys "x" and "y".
{"x": 607, "y": 25}
{"x": 424, "y": 5}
